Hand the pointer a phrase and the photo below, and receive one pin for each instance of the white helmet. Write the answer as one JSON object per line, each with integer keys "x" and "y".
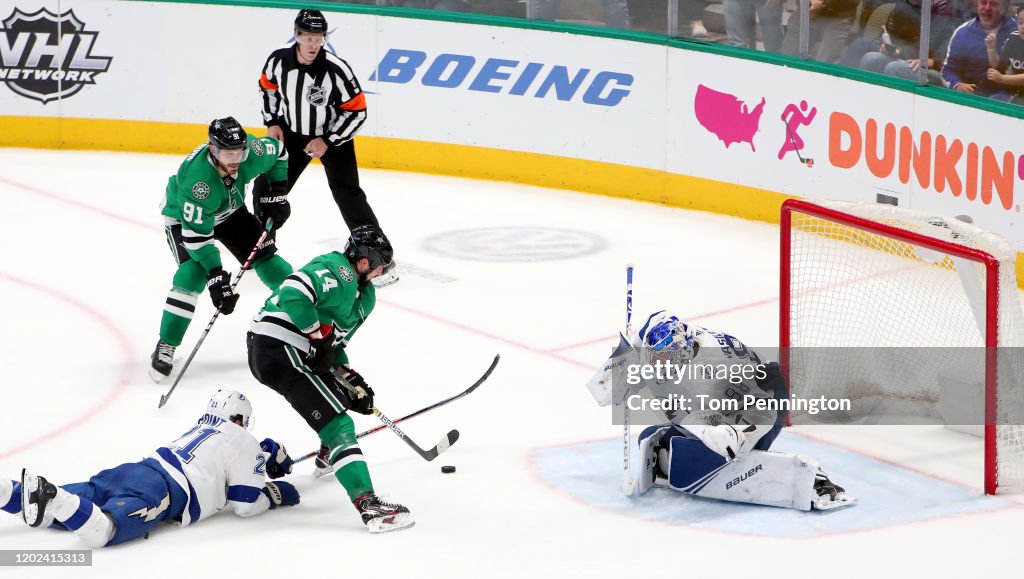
{"x": 227, "y": 404}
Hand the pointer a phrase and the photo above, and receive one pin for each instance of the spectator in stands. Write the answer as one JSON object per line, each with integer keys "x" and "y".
{"x": 899, "y": 39}
{"x": 1009, "y": 59}
{"x": 616, "y": 12}
{"x": 966, "y": 66}
{"x": 692, "y": 12}
{"x": 740, "y": 18}
{"x": 829, "y": 29}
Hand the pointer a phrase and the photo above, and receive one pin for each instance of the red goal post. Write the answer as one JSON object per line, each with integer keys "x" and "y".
{"x": 858, "y": 275}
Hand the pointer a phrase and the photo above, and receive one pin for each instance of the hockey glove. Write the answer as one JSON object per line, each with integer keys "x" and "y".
{"x": 358, "y": 392}
{"x": 279, "y": 463}
{"x": 321, "y": 353}
{"x": 218, "y": 282}
{"x": 727, "y": 440}
{"x": 281, "y": 494}
{"x": 274, "y": 205}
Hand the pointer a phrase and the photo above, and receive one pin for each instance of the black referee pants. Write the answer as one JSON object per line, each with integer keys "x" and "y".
{"x": 342, "y": 177}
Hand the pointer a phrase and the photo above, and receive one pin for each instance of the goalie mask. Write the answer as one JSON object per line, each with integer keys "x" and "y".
{"x": 227, "y": 404}
{"x": 667, "y": 339}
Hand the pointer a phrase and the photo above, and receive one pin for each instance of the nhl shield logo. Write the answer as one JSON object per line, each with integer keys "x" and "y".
{"x": 48, "y": 57}
{"x": 316, "y": 95}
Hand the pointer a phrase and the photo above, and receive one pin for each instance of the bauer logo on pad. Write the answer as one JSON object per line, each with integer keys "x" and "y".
{"x": 39, "y": 68}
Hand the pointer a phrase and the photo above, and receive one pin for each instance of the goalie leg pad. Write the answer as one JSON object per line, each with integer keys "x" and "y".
{"x": 649, "y": 445}
{"x": 761, "y": 478}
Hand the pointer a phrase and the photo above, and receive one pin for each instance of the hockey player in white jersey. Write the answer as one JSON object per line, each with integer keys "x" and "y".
{"x": 720, "y": 454}
{"x": 217, "y": 465}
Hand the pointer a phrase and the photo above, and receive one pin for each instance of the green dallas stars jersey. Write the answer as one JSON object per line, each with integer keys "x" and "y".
{"x": 325, "y": 291}
{"x": 198, "y": 198}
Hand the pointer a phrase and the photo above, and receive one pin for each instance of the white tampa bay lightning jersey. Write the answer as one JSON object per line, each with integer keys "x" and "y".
{"x": 216, "y": 463}
{"x": 723, "y": 368}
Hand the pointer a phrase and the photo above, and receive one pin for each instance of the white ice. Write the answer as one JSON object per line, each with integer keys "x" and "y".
{"x": 83, "y": 275}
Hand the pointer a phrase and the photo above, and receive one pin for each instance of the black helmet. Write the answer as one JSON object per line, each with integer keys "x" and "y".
{"x": 227, "y": 133}
{"x": 311, "y": 21}
{"x": 370, "y": 242}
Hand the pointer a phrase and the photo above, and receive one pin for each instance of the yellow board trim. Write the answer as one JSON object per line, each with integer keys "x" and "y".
{"x": 595, "y": 177}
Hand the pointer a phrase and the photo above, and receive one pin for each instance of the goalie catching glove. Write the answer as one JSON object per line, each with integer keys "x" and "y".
{"x": 358, "y": 392}
{"x": 281, "y": 494}
{"x": 727, "y": 440}
{"x": 279, "y": 464}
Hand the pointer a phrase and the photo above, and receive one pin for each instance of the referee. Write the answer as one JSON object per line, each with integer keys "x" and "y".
{"x": 313, "y": 103}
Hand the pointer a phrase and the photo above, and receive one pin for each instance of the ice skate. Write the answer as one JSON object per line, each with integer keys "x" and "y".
{"x": 321, "y": 466}
{"x": 161, "y": 361}
{"x": 37, "y": 494}
{"x": 380, "y": 516}
{"x": 830, "y": 495}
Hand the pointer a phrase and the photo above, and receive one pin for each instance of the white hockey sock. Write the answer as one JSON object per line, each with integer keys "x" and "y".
{"x": 83, "y": 518}
{"x": 7, "y": 499}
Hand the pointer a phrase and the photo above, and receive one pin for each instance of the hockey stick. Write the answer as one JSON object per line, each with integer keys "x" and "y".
{"x": 248, "y": 261}
{"x": 628, "y": 482}
{"x": 475, "y": 385}
{"x": 808, "y": 162}
{"x": 428, "y": 455}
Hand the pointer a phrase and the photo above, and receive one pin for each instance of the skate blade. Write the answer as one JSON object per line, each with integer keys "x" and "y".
{"x": 322, "y": 472}
{"x": 824, "y": 504}
{"x": 393, "y": 523}
{"x": 29, "y": 509}
{"x": 157, "y": 376}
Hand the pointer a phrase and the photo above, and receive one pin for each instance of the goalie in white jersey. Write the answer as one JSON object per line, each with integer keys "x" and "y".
{"x": 216, "y": 465}
{"x": 720, "y": 454}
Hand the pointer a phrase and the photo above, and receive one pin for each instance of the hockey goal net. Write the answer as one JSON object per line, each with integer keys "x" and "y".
{"x": 884, "y": 303}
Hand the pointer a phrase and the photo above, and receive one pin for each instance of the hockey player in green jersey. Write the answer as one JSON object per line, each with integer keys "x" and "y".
{"x": 300, "y": 335}
{"x": 205, "y": 201}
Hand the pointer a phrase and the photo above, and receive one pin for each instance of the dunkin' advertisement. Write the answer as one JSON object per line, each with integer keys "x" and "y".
{"x": 826, "y": 137}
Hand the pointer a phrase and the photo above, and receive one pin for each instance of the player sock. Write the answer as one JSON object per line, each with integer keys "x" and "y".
{"x": 10, "y": 496}
{"x": 349, "y": 466}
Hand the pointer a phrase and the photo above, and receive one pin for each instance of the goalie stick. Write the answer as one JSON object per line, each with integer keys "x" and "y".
{"x": 465, "y": 392}
{"x": 248, "y": 261}
{"x": 628, "y": 482}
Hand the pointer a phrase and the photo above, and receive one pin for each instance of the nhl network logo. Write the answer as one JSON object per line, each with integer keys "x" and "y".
{"x": 45, "y": 57}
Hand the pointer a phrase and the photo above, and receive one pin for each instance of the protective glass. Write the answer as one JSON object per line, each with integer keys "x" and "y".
{"x": 231, "y": 156}
{"x": 311, "y": 39}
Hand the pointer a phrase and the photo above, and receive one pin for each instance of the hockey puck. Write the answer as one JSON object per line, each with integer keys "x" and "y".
{"x": 448, "y": 469}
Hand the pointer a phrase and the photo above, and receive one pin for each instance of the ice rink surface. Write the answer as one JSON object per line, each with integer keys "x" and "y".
{"x": 85, "y": 269}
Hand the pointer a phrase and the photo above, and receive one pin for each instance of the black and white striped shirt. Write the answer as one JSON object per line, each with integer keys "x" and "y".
{"x": 319, "y": 99}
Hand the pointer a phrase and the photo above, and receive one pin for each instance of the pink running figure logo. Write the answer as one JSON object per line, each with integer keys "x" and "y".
{"x": 794, "y": 118}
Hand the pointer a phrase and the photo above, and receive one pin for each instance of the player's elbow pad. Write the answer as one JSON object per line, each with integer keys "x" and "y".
{"x": 246, "y": 510}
